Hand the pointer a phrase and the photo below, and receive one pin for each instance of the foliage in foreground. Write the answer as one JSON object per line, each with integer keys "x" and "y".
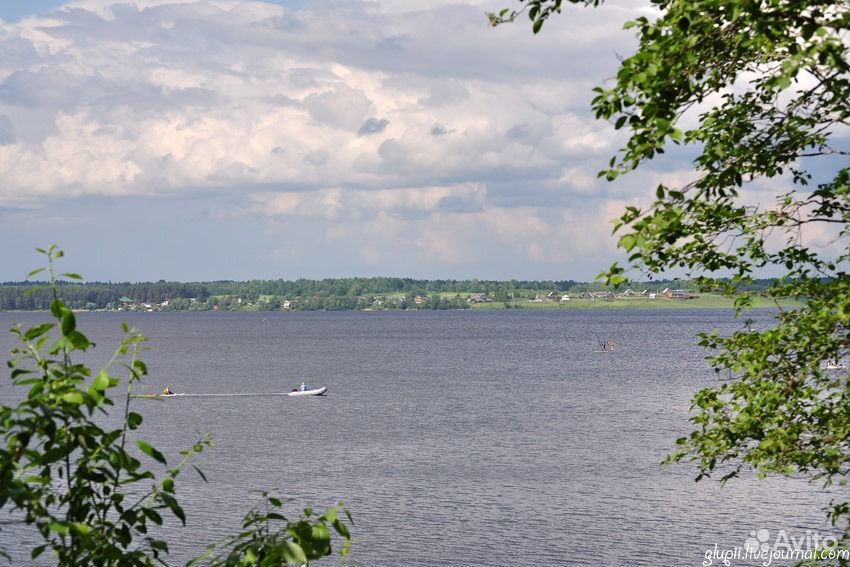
{"x": 93, "y": 502}
{"x": 770, "y": 83}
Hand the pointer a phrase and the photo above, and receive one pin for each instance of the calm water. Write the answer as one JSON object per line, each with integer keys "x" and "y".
{"x": 455, "y": 438}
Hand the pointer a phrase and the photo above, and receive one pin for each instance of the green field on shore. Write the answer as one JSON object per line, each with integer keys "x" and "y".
{"x": 703, "y": 301}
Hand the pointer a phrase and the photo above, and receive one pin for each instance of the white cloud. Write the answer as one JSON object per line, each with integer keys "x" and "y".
{"x": 334, "y": 202}
{"x": 178, "y": 95}
{"x": 579, "y": 179}
{"x": 363, "y": 121}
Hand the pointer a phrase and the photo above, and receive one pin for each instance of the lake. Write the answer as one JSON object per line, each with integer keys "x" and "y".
{"x": 484, "y": 438}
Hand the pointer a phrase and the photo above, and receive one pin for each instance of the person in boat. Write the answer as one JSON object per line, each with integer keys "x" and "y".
{"x": 303, "y": 386}
{"x": 167, "y": 391}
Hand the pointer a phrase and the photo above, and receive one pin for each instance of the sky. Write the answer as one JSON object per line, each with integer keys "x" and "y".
{"x": 199, "y": 140}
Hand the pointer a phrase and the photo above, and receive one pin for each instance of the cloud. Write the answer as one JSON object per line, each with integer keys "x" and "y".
{"x": 341, "y": 107}
{"x": 282, "y": 97}
{"x": 578, "y": 178}
{"x": 414, "y": 115}
{"x": 7, "y": 130}
{"x": 336, "y": 202}
{"x": 439, "y": 130}
{"x": 373, "y": 126}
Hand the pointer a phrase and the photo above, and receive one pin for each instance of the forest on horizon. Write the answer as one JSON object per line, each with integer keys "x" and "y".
{"x": 304, "y": 294}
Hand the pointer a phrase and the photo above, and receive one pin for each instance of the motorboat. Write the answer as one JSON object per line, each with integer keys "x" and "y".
{"x": 157, "y": 396}
{"x": 314, "y": 392}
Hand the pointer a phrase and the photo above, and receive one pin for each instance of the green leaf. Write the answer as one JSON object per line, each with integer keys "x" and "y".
{"x": 69, "y": 322}
{"x": 537, "y": 25}
{"x": 341, "y": 529}
{"x": 173, "y": 506}
{"x": 154, "y": 517}
{"x": 321, "y": 533}
{"x": 200, "y": 473}
{"x": 101, "y": 381}
{"x": 36, "y": 551}
{"x": 293, "y": 554}
{"x": 78, "y": 340}
{"x": 34, "y": 272}
{"x": 80, "y": 528}
{"x": 56, "y": 307}
{"x": 37, "y": 331}
{"x": 58, "y": 528}
{"x": 140, "y": 367}
{"x": 75, "y": 397}
{"x": 134, "y": 420}
{"x": 148, "y": 450}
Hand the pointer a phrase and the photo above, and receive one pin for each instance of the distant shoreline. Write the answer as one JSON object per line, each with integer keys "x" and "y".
{"x": 361, "y": 294}
{"x": 702, "y": 301}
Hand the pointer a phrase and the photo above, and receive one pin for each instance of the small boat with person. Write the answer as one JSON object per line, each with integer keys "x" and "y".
{"x": 303, "y": 390}
{"x": 169, "y": 393}
{"x": 158, "y": 396}
{"x": 835, "y": 365}
{"x": 165, "y": 393}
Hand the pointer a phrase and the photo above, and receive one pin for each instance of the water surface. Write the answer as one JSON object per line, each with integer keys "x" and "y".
{"x": 455, "y": 438}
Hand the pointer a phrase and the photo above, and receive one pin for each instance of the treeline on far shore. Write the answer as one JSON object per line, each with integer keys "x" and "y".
{"x": 302, "y": 294}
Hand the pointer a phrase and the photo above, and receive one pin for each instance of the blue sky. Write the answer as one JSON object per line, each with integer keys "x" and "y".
{"x": 13, "y": 10}
{"x": 236, "y": 139}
